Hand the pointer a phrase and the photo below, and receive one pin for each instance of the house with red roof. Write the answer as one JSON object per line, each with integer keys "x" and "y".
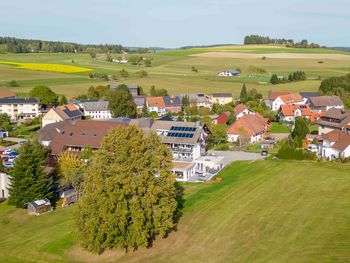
{"x": 156, "y": 104}
{"x": 241, "y": 110}
{"x": 287, "y": 99}
{"x": 251, "y": 128}
{"x": 288, "y": 113}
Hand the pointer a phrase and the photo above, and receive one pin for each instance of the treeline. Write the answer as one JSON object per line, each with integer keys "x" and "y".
{"x": 17, "y": 45}
{"x": 339, "y": 86}
{"x": 256, "y": 39}
{"x": 295, "y": 76}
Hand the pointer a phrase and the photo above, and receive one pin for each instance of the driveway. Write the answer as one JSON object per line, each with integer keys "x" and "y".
{"x": 13, "y": 139}
{"x": 279, "y": 136}
{"x": 231, "y": 156}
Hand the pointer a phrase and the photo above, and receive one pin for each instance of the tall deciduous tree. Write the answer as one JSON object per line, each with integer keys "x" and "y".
{"x": 121, "y": 102}
{"x": 28, "y": 177}
{"x": 44, "y": 94}
{"x": 129, "y": 193}
{"x": 71, "y": 170}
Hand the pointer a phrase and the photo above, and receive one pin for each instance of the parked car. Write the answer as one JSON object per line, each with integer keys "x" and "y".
{"x": 264, "y": 153}
{"x": 13, "y": 153}
{"x": 22, "y": 142}
{"x": 7, "y": 151}
{"x": 2, "y": 152}
{"x": 7, "y": 165}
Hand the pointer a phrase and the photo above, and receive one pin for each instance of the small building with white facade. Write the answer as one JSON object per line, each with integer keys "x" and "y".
{"x": 96, "y": 110}
{"x": 20, "y": 109}
{"x": 229, "y": 73}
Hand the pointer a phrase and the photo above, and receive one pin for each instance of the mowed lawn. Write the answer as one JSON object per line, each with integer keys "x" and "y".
{"x": 262, "y": 211}
{"x": 172, "y": 70}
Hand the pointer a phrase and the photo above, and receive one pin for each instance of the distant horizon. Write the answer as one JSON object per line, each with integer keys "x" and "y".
{"x": 161, "y": 47}
{"x": 172, "y": 24}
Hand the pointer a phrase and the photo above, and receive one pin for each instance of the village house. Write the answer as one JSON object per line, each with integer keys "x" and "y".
{"x": 172, "y": 104}
{"x": 197, "y": 100}
{"x": 96, "y": 110}
{"x": 229, "y": 73}
{"x": 76, "y": 136}
{"x": 324, "y": 103}
{"x": 139, "y": 102}
{"x": 334, "y": 119}
{"x": 20, "y": 109}
{"x": 287, "y": 99}
{"x": 307, "y": 95}
{"x": 38, "y": 207}
{"x": 46, "y": 133}
{"x": 241, "y": 110}
{"x": 249, "y": 128}
{"x": 4, "y": 185}
{"x": 62, "y": 113}
{"x": 274, "y": 95}
{"x": 222, "y": 118}
{"x": 220, "y": 98}
{"x": 335, "y": 145}
{"x": 156, "y": 104}
{"x": 288, "y": 113}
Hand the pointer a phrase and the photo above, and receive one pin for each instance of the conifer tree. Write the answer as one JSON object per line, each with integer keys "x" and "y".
{"x": 244, "y": 94}
{"x": 28, "y": 178}
{"x": 129, "y": 193}
{"x": 63, "y": 100}
{"x": 274, "y": 79}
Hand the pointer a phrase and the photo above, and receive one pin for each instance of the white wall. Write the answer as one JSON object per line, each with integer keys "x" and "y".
{"x": 4, "y": 185}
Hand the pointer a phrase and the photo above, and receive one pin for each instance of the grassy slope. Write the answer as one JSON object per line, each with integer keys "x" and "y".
{"x": 172, "y": 70}
{"x": 278, "y": 211}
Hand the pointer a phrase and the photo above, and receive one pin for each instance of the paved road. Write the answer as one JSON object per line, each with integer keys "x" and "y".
{"x": 231, "y": 156}
{"x": 13, "y": 139}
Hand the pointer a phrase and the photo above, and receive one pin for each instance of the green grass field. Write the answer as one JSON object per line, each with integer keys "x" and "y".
{"x": 262, "y": 211}
{"x": 171, "y": 69}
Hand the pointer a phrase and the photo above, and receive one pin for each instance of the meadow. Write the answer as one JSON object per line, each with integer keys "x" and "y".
{"x": 262, "y": 211}
{"x": 172, "y": 69}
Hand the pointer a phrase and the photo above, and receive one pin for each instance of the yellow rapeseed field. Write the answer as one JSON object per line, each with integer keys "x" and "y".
{"x": 47, "y": 67}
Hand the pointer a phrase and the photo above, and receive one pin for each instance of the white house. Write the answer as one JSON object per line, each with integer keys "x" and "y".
{"x": 335, "y": 145}
{"x": 156, "y": 104}
{"x": 229, "y": 73}
{"x": 4, "y": 185}
{"x": 20, "y": 109}
{"x": 97, "y": 110}
{"x": 287, "y": 99}
{"x": 241, "y": 110}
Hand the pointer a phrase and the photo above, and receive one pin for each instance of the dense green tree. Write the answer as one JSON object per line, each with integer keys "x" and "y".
{"x": 185, "y": 101}
{"x": 301, "y": 128}
{"x": 144, "y": 109}
{"x": 148, "y": 62}
{"x": 71, "y": 171}
{"x": 290, "y": 77}
{"x": 28, "y": 178}
{"x": 129, "y": 193}
{"x": 243, "y": 96}
{"x": 63, "y": 100}
{"x": 217, "y": 135}
{"x": 44, "y": 94}
{"x": 158, "y": 92}
{"x": 123, "y": 73}
{"x": 92, "y": 93}
{"x": 274, "y": 79}
{"x": 5, "y": 121}
{"x": 231, "y": 119}
{"x": 141, "y": 73}
{"x": 121, "y": 103}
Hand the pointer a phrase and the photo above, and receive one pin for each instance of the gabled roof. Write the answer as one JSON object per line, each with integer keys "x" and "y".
{"x": 222, "y": 95}
{"x": 291, "y": 98}
{"x": 324, "y": 101}
{"x": 275, "y": 94}
{"x": 223, "y": 117}
{"x": 19, "y": 101}
{"x": 50, "y": 130}
{"x": 335, "y": 117}
{"x": 251, "y": 124}
{"x": 309, "y": 94}
{"x": 239, "y": 109}
{"x": 139, "y": 100}
{"x": 68, "y": 111}
{"x": 155, "y": 102}
{"x": 289, "y": 110}
{"x": 100, "y": 105}
{"x": 82, "y": 133}
{"x": 341, "y": 139}
{"x": 172, "y": 101}
{"x": 6, "y": 93}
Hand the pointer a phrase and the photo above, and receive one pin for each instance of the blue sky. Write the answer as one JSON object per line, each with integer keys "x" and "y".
{"x": 170, "y": 23}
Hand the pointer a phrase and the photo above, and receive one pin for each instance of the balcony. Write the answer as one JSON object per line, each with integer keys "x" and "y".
{"x": 181, "y": 149}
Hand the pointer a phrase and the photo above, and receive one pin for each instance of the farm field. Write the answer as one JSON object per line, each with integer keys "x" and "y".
{"x": 171, "y": 69}
{"x": 262, "y": 211}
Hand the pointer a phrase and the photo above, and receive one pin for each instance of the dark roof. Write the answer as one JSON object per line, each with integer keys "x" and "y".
{"x": 172, "y": 101}
{"x": 82, "y": 133}
{"x": 166, "y": 118}
{"x": 139, "y": 100}
{"x": 324, "y": 101}
{"x": 342, "y": 118}
{"x": 50, "y": 130}
{"x": 226, "y": 95}
{"x": 19, "y": 101}
{"x": 309, "y": 94}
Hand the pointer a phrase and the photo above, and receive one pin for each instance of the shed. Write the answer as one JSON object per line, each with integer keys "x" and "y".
{"x": 39, "y": 207}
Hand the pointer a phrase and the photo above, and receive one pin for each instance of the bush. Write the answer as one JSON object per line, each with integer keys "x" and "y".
{"x": 290, "y": 151}
{"x": 13, "y": 84}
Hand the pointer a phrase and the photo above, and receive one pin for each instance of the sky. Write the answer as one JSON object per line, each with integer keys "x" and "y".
{"x": 175, "y": 23}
